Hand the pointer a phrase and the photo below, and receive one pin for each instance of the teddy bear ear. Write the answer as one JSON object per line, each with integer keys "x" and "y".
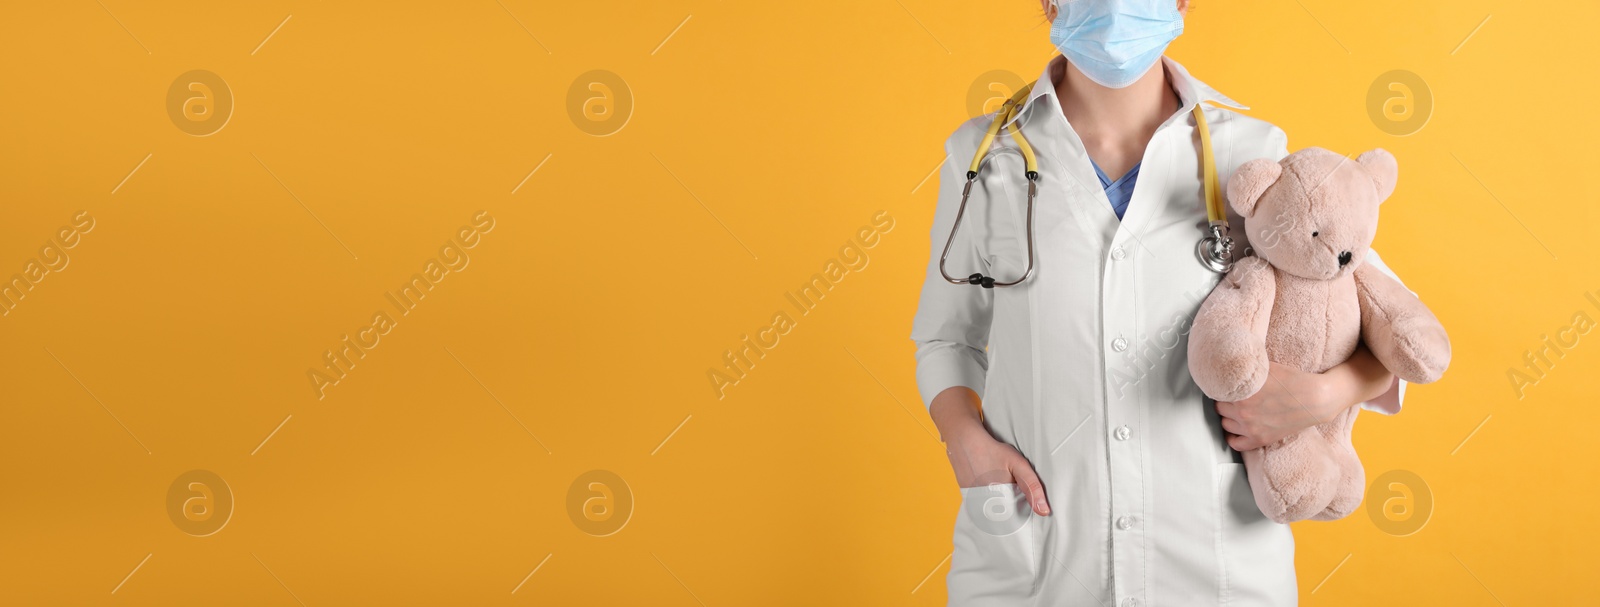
{"x": 1249, "y": 182}
{"x": 1383, "y": 168}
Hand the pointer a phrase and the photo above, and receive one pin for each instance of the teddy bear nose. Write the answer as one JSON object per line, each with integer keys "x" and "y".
{"x": 1344, "y": 258}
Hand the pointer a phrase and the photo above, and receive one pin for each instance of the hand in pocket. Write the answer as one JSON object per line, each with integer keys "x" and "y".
{"x": 979, "y": 459}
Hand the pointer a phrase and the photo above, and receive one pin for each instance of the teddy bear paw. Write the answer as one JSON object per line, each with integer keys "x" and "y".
{"x": 1423, "y": 350}
{"x": 1239, "y": 377}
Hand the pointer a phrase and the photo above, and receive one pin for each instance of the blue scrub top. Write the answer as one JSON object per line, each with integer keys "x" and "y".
{"x": 1119, "y": 191}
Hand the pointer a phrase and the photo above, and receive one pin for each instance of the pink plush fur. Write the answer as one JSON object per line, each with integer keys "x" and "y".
{"x": 1306, "y": 299}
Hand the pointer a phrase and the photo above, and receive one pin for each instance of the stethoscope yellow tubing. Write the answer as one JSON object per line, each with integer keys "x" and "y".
{"x": 1004, "y": 116}
{"x": 1208, "y": 165}
{"x": 1215, "y": 250}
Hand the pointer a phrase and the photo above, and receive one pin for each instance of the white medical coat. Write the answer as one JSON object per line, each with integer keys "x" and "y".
{"x": 1084, "y": 369}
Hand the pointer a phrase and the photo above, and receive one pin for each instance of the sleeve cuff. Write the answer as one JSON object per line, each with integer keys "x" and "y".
{"x": 1389, "y": 402}
{"x": 945, "y": 365}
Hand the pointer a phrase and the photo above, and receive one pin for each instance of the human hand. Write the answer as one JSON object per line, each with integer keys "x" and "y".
{"x": 975, "y": 456}
{"x": 1291, "y": 400}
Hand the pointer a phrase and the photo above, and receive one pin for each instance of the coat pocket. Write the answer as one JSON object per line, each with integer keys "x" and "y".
{"x": 1256, "y": 554}
{"x": 995, "y": 560}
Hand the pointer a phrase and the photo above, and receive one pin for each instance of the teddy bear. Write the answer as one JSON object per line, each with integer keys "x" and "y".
{"x": 1304, "y": 297}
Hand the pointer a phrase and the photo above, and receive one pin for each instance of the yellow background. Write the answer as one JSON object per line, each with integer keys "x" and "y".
{"x": 763, "y": 134}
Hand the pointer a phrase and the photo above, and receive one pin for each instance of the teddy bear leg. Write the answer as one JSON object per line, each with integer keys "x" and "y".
{"x": 1353, "y": 477}
{"x": 1293, "y": 479}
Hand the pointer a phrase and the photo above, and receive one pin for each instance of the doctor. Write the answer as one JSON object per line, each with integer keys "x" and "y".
{"x": 1093, "y": 470}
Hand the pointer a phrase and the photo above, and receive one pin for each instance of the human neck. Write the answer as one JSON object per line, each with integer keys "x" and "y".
{"x": 1116, "y": 124}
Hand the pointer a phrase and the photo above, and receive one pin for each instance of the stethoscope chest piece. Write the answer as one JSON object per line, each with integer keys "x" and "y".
{"x": 1216, "y": 250}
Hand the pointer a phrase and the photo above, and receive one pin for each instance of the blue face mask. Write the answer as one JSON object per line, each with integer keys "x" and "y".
{"x": 1114, "y": 42}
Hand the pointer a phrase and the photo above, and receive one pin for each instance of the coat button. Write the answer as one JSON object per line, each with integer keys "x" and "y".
{"x": 1123, "y": 433}
{"x": 1118, "y": 253}
{"x": 1119, "y": 344}
{"x": 1125, "y": 522}
{"x": 1130, "y": 602}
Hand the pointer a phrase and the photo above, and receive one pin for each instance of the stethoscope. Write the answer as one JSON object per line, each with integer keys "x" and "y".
{"x": 1215, "y": 249}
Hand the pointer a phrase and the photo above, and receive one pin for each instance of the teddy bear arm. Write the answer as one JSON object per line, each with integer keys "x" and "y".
{"x": 1228, "y": 340}
{"x": 1402, "y": 332}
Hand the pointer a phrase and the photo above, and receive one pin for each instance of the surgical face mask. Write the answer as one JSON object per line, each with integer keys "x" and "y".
{"x": 1114, "y": 42}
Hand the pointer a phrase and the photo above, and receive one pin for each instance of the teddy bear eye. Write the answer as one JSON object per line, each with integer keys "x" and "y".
{"x": 1314, "y": 234}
